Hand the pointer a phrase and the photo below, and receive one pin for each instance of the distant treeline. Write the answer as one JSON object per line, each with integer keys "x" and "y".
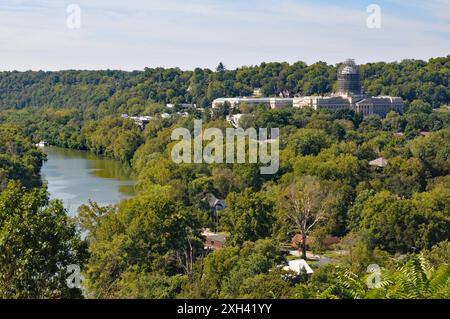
{"x": 99, "y": 93}
{"x": 151, "y": 246}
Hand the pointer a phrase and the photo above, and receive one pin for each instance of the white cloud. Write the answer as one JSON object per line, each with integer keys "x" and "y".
{"x": 138, "y": 33}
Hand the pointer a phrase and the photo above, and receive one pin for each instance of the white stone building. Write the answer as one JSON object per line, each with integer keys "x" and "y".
{"x": 380, "y": 105}
{"x": 348, "y": 97}
{"x": 272, "y": 102}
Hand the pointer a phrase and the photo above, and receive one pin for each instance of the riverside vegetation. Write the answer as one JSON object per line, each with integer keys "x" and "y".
{"x": 150, "y": 246}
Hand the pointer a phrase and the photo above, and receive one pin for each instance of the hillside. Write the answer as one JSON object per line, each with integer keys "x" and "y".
{"x": 108, "y": 92}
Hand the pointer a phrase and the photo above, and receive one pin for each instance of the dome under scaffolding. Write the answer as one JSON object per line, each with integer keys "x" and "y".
{"x": 349, "y": 82}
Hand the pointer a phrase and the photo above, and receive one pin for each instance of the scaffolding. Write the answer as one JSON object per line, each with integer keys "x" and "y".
{"x": 349, "y": 81}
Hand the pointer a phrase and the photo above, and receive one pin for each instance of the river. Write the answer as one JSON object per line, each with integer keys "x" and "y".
{"x": 75, "y": 177}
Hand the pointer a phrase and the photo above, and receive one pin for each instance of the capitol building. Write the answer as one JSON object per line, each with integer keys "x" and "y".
{"x": 349, "y": 96}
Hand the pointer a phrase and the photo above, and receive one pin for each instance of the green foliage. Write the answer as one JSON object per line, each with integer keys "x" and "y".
{"x": 433, "y": 151}
{"x": 113, "y": 137}
{"x": 398, "y": 225}
{"x": 119, "y": 92}
{"x": 143, "y": 285}
{"x": 438, "y": 254}
{"x": 19, "y": 159}
{"x": 404, "y": 177}
{"x": 149, "y": 233}
{"x": 415, "y": 279}
{"x": 249, "y": 216}
{"x": 309, "y": 141}
{"x": 394, "y": 122}
{"x": 37, "y": 243}
{"x": 150, "y": 246}
{"x": 230, "y": 272}
{"x": 345, "y": 168}
{"x": 266, "y": 286}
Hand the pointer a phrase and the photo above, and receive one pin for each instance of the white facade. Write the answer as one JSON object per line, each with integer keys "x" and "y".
{"x": 331, "y": 103}
{"x": 380, "y": 105}
{"x": 272, "y": 102}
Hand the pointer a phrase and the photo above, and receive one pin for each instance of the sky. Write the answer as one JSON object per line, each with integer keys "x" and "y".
{"x": 134, "y": 34}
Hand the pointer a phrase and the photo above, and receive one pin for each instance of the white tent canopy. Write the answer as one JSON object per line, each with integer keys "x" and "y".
{"x": 297, "y": 265}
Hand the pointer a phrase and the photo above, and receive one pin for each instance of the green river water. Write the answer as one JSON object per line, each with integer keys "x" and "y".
{"x": 76, "y": 177}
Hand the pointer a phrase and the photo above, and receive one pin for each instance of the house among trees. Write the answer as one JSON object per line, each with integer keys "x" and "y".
{"x": 213, "y": 241}
{"x": 140, "y": 121}
{"x": 215, "y": 205}
{"x": 326, "y": 242}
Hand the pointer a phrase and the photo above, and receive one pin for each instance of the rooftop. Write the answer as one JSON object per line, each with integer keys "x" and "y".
{"x": 380, "y": 162}
{"x": 299, "y": 266}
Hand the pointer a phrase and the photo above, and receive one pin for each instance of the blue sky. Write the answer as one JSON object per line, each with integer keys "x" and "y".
{"x": 134, "y": 34}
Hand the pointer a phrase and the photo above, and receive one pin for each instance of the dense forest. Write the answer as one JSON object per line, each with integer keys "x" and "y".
{"x": 38, "y": 239}
{"x": 75, "y": 108}
{"x": 151, "y": 246}
{"x": 99, "y": 93}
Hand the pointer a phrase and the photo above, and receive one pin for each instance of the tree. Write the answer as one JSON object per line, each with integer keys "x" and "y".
{"x": 221, "y": 274}
{"x": 371, "y": 123}
{"x": 345, "y": 168}
{"x": 397, "y": 225}
{"x": 305, "y": 203}
{"x": 438, "y": 254}
{"x": 320, "y": 285}
{"x": 418, "y": 280}
{"x": 309, "y": 141}
{"x": 419, "y": 106}
{"x": 19, "y": 159}
{"x": 220, "y": 67}
{"x": 226, "y": 181}
{"x": 38, "y": 243}
{"x": 136, "y": 284}
{"x": 433, "y": 151}
{"x": 415, "y": 279}
{"x": 266, "y": 286}
{"x": 149, "y": 233}
{"x": 249, "y": 216}
{"x": 404, "y": 177}
{"x": 394, "y": 122}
